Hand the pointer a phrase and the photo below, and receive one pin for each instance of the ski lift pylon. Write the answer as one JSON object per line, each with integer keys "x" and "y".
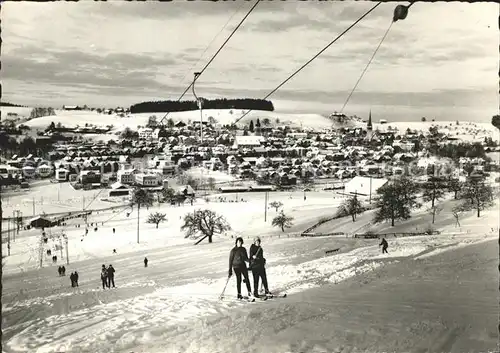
{"x": 400, "y": 12}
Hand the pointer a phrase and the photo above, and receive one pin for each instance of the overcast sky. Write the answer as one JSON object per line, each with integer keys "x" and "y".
{"x": 441, "y": 61}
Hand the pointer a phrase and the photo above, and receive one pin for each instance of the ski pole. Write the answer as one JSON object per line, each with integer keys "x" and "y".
{"x": 222, "y": 294}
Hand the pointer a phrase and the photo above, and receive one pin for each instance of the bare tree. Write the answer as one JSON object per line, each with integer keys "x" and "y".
{"x": 211, "y": 183}
{"x": 276, "y": 205}
{"x": 156, "y": 218}
{"x": 352, "y": 207}
{"x": 168, "y": 194}
{"x": 454, "y": 185}
{"x": 457, "y": 212}
{"x": 206, "y": 222}
{"x": 283, "y": 221}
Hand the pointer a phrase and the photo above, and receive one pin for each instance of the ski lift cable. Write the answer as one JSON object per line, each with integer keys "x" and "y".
{"x": 86, "y": 207}
{"x": 366, "y": 67}
{"x": 211, "y": 42}
{"x": 216, "y": 53}
{"x": 314, "y": 57}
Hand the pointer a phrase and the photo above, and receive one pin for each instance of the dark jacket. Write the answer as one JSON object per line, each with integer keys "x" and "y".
{"x": 75, "y": 276}
{"x": 259, "y": 260}
{"x": 237, "y": 258}
{"x": 384, "y": 243}
{"x": 104, "y": 273}
{"x": 111, "y": 271}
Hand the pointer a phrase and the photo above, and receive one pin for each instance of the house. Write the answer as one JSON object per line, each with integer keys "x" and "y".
{"x": 185, "y": 190}
{"x": 89, "y": 177}
{"x": 364, "y": 185}
{"x": 125, "y": 176}
{"x": 147, "y": 179}
{"x": 29, "y": 171}
{"x": 146, "y": 133}
{"x": 248, "y": 141}
{"x": 41, "y": 222}
{"x": 71, "y": 107}
{"x": 118, "y": 189}
{"x": 44, "y": 170}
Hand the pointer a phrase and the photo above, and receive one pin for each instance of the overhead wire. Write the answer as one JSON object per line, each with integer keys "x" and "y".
{"x": 366, "y": 67}
{"x": 216, "y": 53}
{"x": 314, "y": 57}
{"x": 211, "y": 42}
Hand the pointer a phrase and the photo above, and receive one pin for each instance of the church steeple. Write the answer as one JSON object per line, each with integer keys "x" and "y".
{"x": 369, "y": 126}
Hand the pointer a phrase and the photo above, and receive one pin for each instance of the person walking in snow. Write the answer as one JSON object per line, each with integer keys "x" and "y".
{"x": 384, "y": 246}
{"x": 145, "y": 262}
{"x": 59, "y": 270}
{"x": 75, "y": 276}
{"x": 237, "y": 258}
{"x": 111, "y": 276}
{"x": 104, "y": 277}
{"x": 258, "y": 267}
{"x": 63, "y": 270}
{"x": 72, "y": 278}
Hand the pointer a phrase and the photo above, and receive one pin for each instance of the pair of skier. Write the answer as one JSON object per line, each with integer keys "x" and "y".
{"x": 74, "y": 279}
{"x": 238, "y": 258}
{"x": 107, "y": 276}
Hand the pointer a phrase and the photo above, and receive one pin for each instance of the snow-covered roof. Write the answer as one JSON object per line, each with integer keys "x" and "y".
{"x": 361, "y": 185}
{"x": 249, "y": 140}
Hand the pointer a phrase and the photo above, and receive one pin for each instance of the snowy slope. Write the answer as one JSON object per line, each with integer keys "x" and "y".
{"x": 181, "y": 285}
{"x": 222, "y": 116}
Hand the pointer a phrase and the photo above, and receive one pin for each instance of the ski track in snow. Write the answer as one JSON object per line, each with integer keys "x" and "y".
{"x": 124, "y": 324}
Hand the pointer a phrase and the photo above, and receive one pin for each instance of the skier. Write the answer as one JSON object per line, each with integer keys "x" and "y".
{"x": 145, "y": 262}
{"x": 237, "y": 258}
{"x": 258, "y": 267}
{"x": 75, "y": 276}
{"x": 384, "y": 245}
{"x": 72, "y": 278}
{"x": 104, "y": 277}
{"x": 63, "y": 270}
{"x": 111, "y": 276}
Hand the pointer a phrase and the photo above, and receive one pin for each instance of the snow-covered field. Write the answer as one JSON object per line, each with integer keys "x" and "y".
{"x": 464, "y": 130}
{"x": 42, "y": 313}
{"x": 53, "y": 198}
{"x": 222, "y": 116}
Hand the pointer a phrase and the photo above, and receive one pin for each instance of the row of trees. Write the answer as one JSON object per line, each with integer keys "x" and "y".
{"x": 396, "y": 200}
{"x": 222, "y": 103}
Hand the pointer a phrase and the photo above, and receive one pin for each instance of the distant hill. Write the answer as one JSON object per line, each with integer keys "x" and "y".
{"x": 7, "y": 104}
{"x": 183, "y": 106}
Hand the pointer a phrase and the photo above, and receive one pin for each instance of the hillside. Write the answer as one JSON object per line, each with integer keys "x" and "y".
{"x": 222, "y": 116}
{"x": 467, "y": 131}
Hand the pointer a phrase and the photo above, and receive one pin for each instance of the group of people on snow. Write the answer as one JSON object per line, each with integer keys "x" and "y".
{"x": 74, "y": 279}
{"x": 61, "y": 270}
{"x": 107, "y": 276}
{"x": 238, "y": 258}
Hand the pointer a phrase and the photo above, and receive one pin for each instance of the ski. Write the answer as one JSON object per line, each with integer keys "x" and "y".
{"x": 273, "y": 296}
{"x": 244, "y": 299}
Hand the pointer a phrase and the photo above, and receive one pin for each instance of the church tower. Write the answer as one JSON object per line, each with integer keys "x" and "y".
{"x": 369, "y": 127}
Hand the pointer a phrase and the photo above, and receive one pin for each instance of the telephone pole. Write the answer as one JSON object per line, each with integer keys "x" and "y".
{"x": 8, "y": 238}
{"x": 67, "y": 251}
{"x": 265, "y": 207}
{"x": 60, "y": 246}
